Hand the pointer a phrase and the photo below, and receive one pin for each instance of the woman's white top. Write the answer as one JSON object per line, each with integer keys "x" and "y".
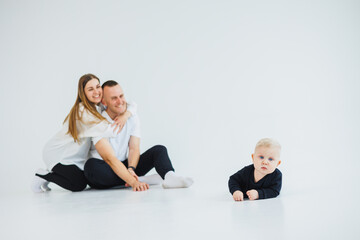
{"x": 62, "y": 148}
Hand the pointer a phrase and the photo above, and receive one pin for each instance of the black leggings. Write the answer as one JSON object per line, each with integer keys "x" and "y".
{"x": 69, "y": 177}
{"x": 100, "y": 175}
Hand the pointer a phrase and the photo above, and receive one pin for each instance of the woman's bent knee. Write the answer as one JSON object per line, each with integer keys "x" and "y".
{"x": 78, "y": 187}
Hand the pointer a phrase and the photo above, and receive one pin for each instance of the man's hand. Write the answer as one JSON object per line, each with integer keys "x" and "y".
{"x": 252, "y": 194}
{"x": 140, "y": 186}
{"x": 238, "y": 195}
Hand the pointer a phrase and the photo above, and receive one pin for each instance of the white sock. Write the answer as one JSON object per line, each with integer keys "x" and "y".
{"x": 174, "y": 181}
{"x": 39, "y": 184}
{"x": 153, "y": 179}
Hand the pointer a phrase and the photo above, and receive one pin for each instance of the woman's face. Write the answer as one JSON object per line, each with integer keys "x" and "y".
{"x": 93, "y": 91}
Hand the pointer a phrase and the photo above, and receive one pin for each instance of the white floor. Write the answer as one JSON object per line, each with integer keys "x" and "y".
{"x": 210, "y": 79}
{"x": 193, "y": 213}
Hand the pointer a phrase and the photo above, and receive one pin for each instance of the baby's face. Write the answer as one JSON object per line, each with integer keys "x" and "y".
{"x": 266, "y": 159}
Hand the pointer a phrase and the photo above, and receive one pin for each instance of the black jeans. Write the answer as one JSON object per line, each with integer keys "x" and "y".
{"x": 100, "y": 175}
{"x": 69, "y": 177}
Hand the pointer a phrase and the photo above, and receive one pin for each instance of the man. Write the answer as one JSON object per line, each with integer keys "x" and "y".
{"x": 102, "y": 175}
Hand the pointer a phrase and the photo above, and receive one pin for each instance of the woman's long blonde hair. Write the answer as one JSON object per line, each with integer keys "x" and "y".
{"x": 74, "y": 114}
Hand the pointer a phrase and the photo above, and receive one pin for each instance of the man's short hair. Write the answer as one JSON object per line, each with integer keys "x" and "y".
{"x": 109, "y": 83}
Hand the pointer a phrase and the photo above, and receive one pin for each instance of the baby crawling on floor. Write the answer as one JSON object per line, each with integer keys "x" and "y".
{"x": 261, "y": 179}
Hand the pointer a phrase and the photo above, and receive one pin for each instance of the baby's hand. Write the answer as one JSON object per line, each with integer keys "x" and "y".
{"x": 238, "y": 195}
{"x": 252, "y": 194}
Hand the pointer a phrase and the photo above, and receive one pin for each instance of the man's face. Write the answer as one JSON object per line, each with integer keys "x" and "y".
{"x": 114, "y": 99}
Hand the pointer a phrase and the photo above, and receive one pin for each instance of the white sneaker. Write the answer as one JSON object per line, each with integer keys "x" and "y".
{"x": 39, "y": 184}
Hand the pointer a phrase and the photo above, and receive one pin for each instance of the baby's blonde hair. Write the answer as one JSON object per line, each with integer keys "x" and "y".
{"x": 268, "y": 142}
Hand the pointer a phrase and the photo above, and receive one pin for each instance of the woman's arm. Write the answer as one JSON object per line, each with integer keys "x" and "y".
{"x": 119, "y": 121}
{"x": 107, "y": 153}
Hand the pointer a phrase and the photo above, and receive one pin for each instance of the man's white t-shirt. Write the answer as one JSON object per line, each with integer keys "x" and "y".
{"x": 120, "y": 142}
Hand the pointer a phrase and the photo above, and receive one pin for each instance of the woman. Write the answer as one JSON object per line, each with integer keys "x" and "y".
{"x": 66, "y": 153}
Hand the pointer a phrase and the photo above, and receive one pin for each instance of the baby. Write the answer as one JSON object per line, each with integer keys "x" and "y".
{"x": 260, "y": 180}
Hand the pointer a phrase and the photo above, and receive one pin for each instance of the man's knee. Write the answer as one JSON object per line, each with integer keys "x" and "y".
{"x": 159, "y": 148}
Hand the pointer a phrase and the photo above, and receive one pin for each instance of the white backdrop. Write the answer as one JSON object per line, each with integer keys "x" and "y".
{"x": 210, "y": 78}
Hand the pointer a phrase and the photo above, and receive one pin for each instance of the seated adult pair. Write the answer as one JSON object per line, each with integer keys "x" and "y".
{"x": 90, "y": 151}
